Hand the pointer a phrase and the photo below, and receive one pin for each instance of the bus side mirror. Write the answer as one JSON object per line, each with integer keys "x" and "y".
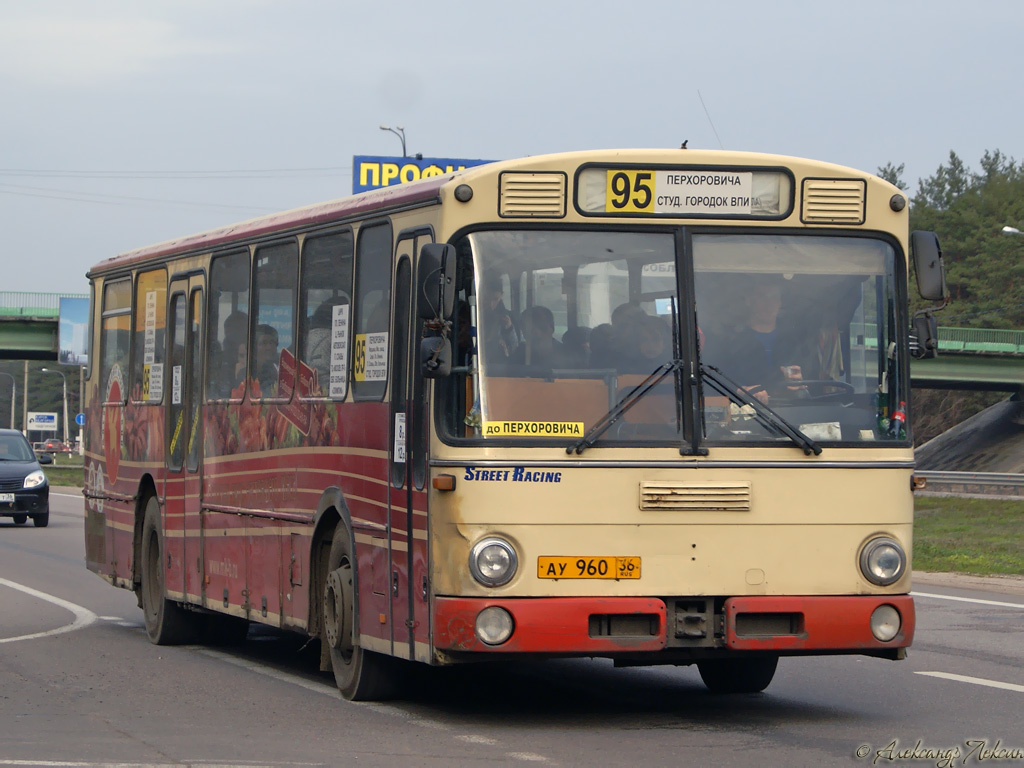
{"x": 924, "y": 336}
{"x": 435, "y": 357}
{"x": 435, "y": 281}
{"x": 931, "y": 273}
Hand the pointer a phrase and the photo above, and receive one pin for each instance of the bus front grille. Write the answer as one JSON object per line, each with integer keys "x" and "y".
{"x": 695, "y": 497}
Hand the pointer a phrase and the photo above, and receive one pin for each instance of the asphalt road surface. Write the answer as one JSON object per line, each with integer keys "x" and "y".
{"x": 80, "y": 686}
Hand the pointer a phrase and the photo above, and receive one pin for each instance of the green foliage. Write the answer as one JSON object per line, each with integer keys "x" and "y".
{"x": 984, "y": 266}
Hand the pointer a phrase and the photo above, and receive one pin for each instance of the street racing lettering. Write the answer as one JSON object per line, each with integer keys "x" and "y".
{"x": 511, "y": 475}
{"x": 533, "y": 428}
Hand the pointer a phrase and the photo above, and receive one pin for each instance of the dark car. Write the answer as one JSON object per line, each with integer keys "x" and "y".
{"x": 24, "y": 492}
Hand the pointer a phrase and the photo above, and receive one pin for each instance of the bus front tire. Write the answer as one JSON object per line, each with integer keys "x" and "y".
{"x": 360, "y": 675}
{"x": 167, "y": 623}
{"x": 738, "y": 675}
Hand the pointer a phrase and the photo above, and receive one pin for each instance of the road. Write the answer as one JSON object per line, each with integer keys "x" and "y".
{"x": 80, "y": 686}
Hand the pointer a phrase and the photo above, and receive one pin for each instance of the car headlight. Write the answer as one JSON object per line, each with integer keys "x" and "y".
{"x": 34, "y": 479}
{"x": 883, "y": 561}
{"x": 493, "y": 562}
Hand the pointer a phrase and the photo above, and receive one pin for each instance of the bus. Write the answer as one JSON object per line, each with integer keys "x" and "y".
{"x": 643, "y": 405}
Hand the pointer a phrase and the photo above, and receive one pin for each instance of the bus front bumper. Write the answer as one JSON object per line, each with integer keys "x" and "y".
{"x": 609, "y": 626}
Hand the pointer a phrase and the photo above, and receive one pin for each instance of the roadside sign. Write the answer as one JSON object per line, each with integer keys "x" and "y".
{"x": 80, "y": 419}
{"x": 41, "y": 422}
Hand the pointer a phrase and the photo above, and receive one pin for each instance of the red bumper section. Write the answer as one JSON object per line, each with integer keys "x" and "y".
{"x": 601, "y": 626}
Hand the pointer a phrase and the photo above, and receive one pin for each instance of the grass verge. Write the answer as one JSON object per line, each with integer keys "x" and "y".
{"x": 982, "y": 537}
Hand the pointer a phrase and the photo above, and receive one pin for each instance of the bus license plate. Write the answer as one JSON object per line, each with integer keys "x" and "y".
{"x": 7, "y": 497}
{"x": 588, "y": 567}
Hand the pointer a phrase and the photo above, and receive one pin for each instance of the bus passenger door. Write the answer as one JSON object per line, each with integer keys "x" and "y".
{"x": 184, "y": 437}
{"x": 407, "y": 535}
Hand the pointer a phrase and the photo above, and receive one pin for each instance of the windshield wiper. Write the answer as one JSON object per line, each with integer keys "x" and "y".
{"x": 735, "y": 392}
{"x": 628, "y": 400}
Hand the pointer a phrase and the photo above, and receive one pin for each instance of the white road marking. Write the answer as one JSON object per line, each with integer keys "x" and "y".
{"x": 1018, "y": 606}
{"x": 975, "y": 681}
{"x": 83, "y": 616}
{"x": 66, "y": 496}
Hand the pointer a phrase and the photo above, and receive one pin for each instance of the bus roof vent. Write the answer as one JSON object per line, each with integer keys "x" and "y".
{"x": 833, "y": 201}
{"x": 694, "y": 497}
{"x": 534, "y": 195}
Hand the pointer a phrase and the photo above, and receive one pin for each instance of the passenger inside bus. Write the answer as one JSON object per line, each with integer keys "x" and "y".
{"x": 266, "y": 359}
{"x": 500, "y": 340}
{"x": 539, "y": 347}
{"x": 318, "y": 343}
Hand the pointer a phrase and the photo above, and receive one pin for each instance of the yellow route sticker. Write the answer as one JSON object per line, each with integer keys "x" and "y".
{"x": 533, "y": 429}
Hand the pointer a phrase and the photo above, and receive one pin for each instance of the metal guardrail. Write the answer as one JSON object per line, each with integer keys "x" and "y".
{"x": 985, "y": 483}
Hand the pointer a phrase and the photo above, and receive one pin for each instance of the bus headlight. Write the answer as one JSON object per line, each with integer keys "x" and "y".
{"x": 494, "y": 625}
{"x": 882, "y": 561}
{"x": 885, "y": 623}
{"x": 493, "y": 562}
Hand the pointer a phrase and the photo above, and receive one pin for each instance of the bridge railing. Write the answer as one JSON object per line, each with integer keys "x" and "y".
{"x": 29, "y": 304}
{"x": 993, "y": 341}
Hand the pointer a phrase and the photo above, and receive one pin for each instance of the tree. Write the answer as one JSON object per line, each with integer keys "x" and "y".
{"x": 984, "y": 267}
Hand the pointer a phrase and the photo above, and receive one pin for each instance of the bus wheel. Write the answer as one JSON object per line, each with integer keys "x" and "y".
{"x": 361, "y": 675}
{"x": 167, "y": 623}
{"x": 738, "y": 675}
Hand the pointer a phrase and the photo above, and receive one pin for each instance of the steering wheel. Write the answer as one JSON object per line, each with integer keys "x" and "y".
{"x": 820, "y": 389}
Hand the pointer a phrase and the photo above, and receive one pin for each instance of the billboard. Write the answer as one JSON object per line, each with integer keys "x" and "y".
{"x": 41, "y": 422}
{"x": 74, "y": 331}
{"x": 374, "y": 171}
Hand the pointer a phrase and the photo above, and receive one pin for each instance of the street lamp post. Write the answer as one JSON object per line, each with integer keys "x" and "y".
{"x": 65, "y": 378}
{"x": 13, "y": 390}
{"x": 399, "y": 131}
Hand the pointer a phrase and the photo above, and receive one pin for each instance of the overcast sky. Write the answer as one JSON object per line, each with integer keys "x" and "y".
{"x": 124, "y": 123}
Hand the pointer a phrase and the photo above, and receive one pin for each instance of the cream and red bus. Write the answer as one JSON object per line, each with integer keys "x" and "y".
{"x": 527, "y": 409}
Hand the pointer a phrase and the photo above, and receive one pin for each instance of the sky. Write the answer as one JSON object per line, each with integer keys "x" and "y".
{"x": 126, "y": 123}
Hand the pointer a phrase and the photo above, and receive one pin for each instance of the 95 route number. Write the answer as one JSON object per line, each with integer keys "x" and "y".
{"x": 630, "y": 191}
{"x": 588, "y": 567}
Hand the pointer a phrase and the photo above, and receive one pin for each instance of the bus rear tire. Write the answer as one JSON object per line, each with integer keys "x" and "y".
{"x": 738, "y": 675}
{"x": 167, "y": 623}
{"x": 360, "y": 675}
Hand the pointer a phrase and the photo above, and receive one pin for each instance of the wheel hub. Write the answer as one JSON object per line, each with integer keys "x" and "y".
{"x": 338, "y": 609}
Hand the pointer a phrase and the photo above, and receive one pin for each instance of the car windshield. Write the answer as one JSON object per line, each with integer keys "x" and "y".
{"x": 556, "y": 329}
{"x": 15, "y": 448}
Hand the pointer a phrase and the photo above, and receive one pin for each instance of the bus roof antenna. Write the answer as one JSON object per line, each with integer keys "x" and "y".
{"x": 720, "y": 144}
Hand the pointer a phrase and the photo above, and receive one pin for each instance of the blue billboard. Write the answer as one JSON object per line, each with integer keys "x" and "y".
{"x": 374, "y": 172}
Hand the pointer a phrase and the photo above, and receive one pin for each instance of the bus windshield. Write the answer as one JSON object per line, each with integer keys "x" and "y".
{"x": 569, "y": 323}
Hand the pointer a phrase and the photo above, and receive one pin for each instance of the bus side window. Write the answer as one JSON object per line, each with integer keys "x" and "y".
{"x": 114, "y": 340}
{"x": 325, "y": 291}
{"x": 148, "y": 340}
{"x": 275, "y": 272}
{"x": 373, "y": 312}
{"x": 227, "y": 357}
